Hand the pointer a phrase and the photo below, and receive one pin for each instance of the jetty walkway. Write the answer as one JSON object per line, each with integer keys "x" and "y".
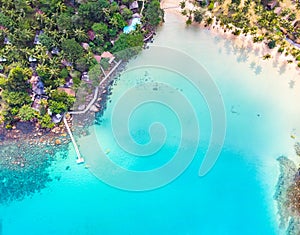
{"x": 97, "y": 90}
{"x": 80, "y": 159}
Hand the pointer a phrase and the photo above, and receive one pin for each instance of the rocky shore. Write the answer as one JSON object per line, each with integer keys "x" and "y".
{"x": 27, "y": 152}
{"x": 287, "y": 194}
{"x": 24, "y": 167}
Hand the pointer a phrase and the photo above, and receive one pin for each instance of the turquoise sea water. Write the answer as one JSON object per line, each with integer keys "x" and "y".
{"x": 235, "y": 197}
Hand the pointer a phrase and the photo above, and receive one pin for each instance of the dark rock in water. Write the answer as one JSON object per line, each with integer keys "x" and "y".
{"x": 25, "y": 127}
{"x": 297, "y": 148}
{"x": 24, "y": 169}
{"x": 68, "y": 168}
{"x": 288, "y": 172}
{"x": 293, "y": 227}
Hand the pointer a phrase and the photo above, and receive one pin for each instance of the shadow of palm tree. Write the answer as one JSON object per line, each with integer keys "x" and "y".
{"x": 282, "y": 69}
{"x": 258, "y": 70}
{"x": 292, "y": 84}
{"x": 217, "y": 39}
{"x": 235, "y": 50}
{"x": 243, "y": 55}
{"x": 275, "y": 62}
{"x": 256, "y": 51}
{"x": 227, "y": 46}
{"x": 252, "y": 65}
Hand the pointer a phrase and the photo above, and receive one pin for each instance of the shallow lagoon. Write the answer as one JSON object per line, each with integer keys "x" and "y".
{"x": 236, "y": 197}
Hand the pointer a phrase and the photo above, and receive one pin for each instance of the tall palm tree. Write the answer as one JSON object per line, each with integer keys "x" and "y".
{"x": 267, "y": 56}
{"x": 54, "y": 72}
{"x": 107, "y": 14}
{"x": 60, "y": 7}
{"x": 50, "y": 23}
{"x": 89, "y": 58}
{"x": 80, "y": 34}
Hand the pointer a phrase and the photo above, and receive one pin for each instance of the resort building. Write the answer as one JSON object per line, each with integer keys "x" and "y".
{"x": 269, "y": 4}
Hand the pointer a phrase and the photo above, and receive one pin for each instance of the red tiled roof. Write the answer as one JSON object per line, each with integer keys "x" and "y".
{"x": 69, "y": 91}
{"x": 91, "y": 34}
{"x": 98, "y": 58}
{"x": 107, "y": 54}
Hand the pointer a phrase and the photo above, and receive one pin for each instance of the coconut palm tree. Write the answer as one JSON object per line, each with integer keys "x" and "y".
{"x": 60, "y": 7}
{"x": 89, "y": 58}
{"x": 54, "y": 72}
{"x": 107, "y": 14}
{"x": 41, "y": 18}
{"x": 267, "y": 56}
{"x": 50, "y": 23}
{"x": 80, "y": 34}
{"x": 182, "y": 5}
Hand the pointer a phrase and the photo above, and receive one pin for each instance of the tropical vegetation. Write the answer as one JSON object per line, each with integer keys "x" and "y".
{"x": 41, "y": 49}
{"x": 277, "y": 23}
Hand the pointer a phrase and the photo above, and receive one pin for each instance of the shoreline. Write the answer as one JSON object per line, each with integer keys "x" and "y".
{"x": 241, "y": 40}
{"x": 28, "y": 152}
{"x": 31, "y": 133}
{"x": 289, "y": 219}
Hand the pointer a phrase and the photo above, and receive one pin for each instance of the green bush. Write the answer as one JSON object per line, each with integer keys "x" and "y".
{"x": 236, "y": 32}
{"x": 8, "y": 126}
{"x": 64, "y": 73}
{"x": 81, "y": 64}
{"x": 272, "y": 44}
{"x": 45, "y": 121}
{"x": 280, "y": 50}
{"x": 211, "y": 6}
{"x": 104, "y": 63}
{"x": 76, "y": 82}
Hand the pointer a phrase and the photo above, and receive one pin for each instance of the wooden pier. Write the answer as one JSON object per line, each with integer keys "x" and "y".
{"x": 79, "y": 157}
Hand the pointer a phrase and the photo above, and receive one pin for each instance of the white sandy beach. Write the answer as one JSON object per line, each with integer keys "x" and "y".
{"x": 240, "y": 41}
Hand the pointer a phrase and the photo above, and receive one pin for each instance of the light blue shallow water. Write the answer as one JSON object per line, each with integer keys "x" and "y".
{"x": 234, "y": 198}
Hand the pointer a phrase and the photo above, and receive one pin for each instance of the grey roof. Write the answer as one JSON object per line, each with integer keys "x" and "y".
{"x": 134, "y": 5}
{"x": 56, "y": 118}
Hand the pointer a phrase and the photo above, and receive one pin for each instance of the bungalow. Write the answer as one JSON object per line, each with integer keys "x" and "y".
{"x": 69, "y": 82}
{"x": 55, "y": 51}
{"x": 66, "y": 63}
{"x": 108, "y": 55}
{"x": 91, "y": 35}
{"x": 134, "y": 6}
{"x": 6, "y": 41}
{"x": 269, "y": 4}
{"x": 57, "y": 118}
{"x": 36, "y": 37}
{"x": 136, "y": 15}
{"x": 85, "y": 76}
{"x": 85, "y": 46}
{"x": 97, "y": 58}
{"x": 277, "y": 10}
{"x": 202, "y": 2}
{"x": 69, "y": 91}
{"x": 38, "y": 88}
{"x": 32, "y": 59}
